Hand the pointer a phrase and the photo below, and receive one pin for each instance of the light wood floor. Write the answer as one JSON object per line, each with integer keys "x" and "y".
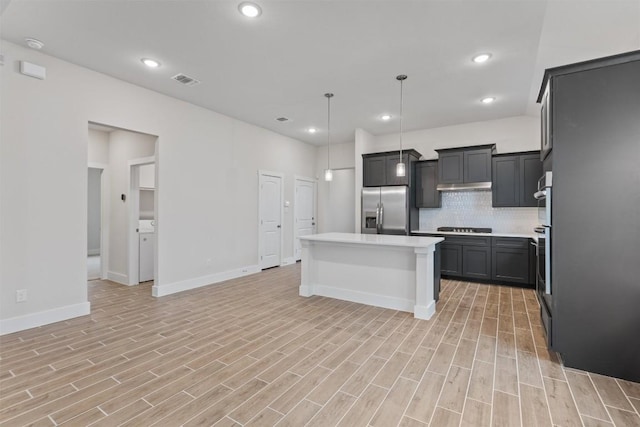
{"x": 252, "y": 352}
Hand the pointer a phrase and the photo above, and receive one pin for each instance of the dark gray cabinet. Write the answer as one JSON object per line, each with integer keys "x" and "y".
{"x": 477, "y": 165}
{"x": 465, "y": 164}
{"x": 374, "y": 171}
{"x": 530, "y": 173}
{"x": 466, "y": 256}
{"x": 450, "y": 167}
{"x": 594, "y": 112}
{"x": 511, "y": 260}
{"x": 515, "y": 179}
{"x": 476, "y": 262}
{"x": 500, "y": 259}
{"x": 379, "y": 169}
{"x": 450, "y": 259}
{"x": 427, "y": 195}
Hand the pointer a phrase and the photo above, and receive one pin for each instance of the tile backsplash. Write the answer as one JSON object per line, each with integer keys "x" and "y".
{"x": 473, "y": 209}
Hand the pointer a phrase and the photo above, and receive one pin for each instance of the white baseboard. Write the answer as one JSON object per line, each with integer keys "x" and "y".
{"x": 288, "y": 261}
{"x": 393, "y": 303}
{"x": 123, "y": 279}
{"x": 424, "y": 312}
{"x": 198, "y": 282}
{"x": 33, "y": 320}
{"x": 93, "y": 252}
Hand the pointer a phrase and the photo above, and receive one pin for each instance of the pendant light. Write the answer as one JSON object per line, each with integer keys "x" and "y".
{"x": 328, "y": 173}
{"x": 401, "y": 169}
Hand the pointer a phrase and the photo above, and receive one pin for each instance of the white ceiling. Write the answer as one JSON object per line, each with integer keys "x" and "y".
{"x": 282, "y": 63}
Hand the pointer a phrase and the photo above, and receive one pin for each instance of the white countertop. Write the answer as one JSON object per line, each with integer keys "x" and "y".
{"x": 374, "y": 239}
{"x": 531, "y": 235}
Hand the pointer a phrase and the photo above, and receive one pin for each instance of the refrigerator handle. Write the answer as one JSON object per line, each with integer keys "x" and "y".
{"x": 377, "y": 217}
{"x": 381, "y": 217}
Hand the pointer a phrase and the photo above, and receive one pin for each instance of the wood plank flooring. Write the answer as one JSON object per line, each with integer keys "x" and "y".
{"x": 252, "y": 352}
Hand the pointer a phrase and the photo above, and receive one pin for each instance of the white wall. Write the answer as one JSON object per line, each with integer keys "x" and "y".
{"x": 342, "y": 158}
{"x": 123, "y": 146}
{"x": 93, "y": 211}
{"x": 98, "y": 147}
{"x": 365, "y": 143}
{"x": 339, "y": 209}
{"x": 513, "y": 134}
{"x": 208, "y": 178}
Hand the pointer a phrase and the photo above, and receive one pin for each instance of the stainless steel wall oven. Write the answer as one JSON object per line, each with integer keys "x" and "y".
{"x": 544, "y": 264}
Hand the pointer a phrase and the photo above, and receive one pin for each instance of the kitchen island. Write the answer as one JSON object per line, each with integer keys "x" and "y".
{"x": 395, "y": 272}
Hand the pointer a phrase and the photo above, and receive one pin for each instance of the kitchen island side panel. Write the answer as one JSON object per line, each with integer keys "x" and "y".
{"x": 596, "y": 219}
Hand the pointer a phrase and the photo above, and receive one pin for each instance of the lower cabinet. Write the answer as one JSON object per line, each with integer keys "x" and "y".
{"x": 511, "y": 260}
{"x": 476, "y": 262}
{"x": 499, "y": 259}
{"x": 450, "y": 259}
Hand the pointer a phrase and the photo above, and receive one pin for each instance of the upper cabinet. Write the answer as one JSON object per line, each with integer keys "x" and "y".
{"x": 379, "y": 169}
{"x": 427, "y": 195}
{"x": 451, "y": 167}
{"x": 515, "y": 179}
{"x": 465, "y": 165}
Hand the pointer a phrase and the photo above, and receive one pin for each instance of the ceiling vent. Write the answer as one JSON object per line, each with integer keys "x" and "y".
{"x": 185, "y": 80}
{"x": 283, "y": 119}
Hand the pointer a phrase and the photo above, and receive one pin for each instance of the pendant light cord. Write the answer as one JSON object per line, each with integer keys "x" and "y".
{"x": 328, "y": 96}
{"x": 402, "y": 78}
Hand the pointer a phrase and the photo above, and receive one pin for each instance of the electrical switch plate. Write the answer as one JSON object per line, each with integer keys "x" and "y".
{"x": 21, "y": 295}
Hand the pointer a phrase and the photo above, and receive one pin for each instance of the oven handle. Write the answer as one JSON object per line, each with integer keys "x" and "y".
{"x": 539, "y": 195}
{"x": 541, "y": 229}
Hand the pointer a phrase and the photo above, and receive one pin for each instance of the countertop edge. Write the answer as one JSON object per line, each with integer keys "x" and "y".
{"x": 451, "y": 233}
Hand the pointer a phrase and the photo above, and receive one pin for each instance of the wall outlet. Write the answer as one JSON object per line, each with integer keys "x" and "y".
{"x": 209, "y": 261}
{"x": 21, "y": 295}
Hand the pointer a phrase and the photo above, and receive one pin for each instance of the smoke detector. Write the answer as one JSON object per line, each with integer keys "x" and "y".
{"x": 34, "y": 43}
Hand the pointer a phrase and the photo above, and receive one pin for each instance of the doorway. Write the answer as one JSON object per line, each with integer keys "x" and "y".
{"x": 304, "y": 220}
{"x": 142, "y": 209}
{"x": 270, "y": 197}
{"x": 97, "y": 221}
{"x": 120, "y": 149}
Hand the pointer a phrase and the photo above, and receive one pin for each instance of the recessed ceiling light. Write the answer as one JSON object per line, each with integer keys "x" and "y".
{"x": 483, "y": 57}
{"x": 488, "y": 100}
{"x": 385, "y": 117}
{"x": 250, "y": 10}
{"x": 312, "y": 130}
{"x": 151, "y": 63}
{"x": 34, "y": 43}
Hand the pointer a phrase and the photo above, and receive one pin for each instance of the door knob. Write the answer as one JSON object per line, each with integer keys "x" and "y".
{"x": 278, "y": 226}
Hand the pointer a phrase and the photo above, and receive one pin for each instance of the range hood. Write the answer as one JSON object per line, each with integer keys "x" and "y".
{"x": 467, "y": 186}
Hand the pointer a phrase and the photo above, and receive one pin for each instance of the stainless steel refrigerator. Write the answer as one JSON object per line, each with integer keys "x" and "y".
{"x": 387, "y": 210}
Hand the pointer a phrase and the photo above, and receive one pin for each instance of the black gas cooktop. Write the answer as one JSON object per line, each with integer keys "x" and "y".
{"x": 465, "y": 229}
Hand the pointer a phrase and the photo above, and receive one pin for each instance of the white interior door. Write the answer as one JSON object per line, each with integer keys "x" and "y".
{"x": 305, "y": 212}
{"x": 270, "y": 220}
